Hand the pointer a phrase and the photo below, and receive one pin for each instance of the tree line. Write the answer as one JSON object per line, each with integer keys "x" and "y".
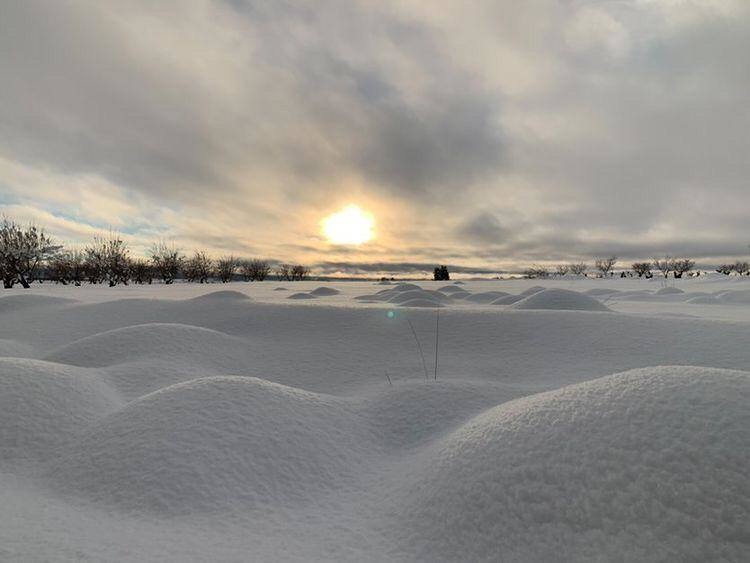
{"x": 605, "y": 267}
{"x": 28, "y": 254}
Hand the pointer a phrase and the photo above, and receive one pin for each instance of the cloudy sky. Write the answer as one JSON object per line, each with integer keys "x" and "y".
{"x": 483, "y": 134}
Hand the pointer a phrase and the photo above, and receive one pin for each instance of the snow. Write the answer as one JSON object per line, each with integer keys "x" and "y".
{"x": 555, "y": 299}
{"x": 582, "y": 420}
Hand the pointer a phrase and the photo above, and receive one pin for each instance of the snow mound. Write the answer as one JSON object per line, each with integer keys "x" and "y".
{"x": 405, "y": 287}
{"x": 669, "y": 291}
{"x": 301, "y": 296}
{"x": 486, "y": 297}
{"x": 215, "y": 444}
{"x": 599, "y": 291}
{"x": 280, "y": 289}
{"x": 532, "y": 290}
{"x": 650, "y": 463}
{"x": 560, "y": 299}
{"x": 450, "y": 289}
{"x": 324, "y": 291}
{"x": 161, "y": 341}
{"x": 508, "y": 300}
{"x": 704, "y": 300}
{"x": 736, "y": 296}
{"x": 423, "y": 294}
{"x": 19, "y": 302}
{"x": 42, "y": 405}
{"x": 226, "y": 295}
{"x": 458, "y": 283}
{"x": 421, "y": 302}
{"x": 14, "y": 348}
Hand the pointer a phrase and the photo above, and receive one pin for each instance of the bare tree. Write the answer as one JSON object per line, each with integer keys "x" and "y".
{"x": 108, "y": 260}
{"x": 199, "y": 267}
{"x": 605, "y": 265}
{"x": 742, "y": 268}
{"x": 300, "y": 272}
{"x": 255, "y": 270}
{"x": 284, "y": 272}
{"x": 562, "y": 270}
{"x": 665, "y": 265}
{"x": 166, "y": 260}
{"x": 22, "y": 252}
{"x": 642, "y": 269}
{"x": 681, "y": 267}
{"x": 725, "y": 269}
{"x": 67, "y": 267}
{"x": 535, "y": 272}
{"x": 578, "y": 269}
{"x": 226, "y": 266}
{"x": 141, "y": 271}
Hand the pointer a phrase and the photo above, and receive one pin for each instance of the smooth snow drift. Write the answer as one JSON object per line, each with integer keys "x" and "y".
{"x": 556, "y": 299}
{"x": 186, "y": 423}
{"x": 651, "y": 463}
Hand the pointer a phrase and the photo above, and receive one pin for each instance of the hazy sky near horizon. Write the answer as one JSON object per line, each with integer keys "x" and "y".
{"x": 487, "y": 134}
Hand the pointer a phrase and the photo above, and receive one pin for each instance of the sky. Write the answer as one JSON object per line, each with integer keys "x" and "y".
{"x": 488, "y": 135}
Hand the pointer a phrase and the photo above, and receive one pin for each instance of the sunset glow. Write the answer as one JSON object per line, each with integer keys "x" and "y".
{"x": 350, "y": 226}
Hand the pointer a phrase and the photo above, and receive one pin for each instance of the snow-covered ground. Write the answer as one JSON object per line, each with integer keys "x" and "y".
{"x": 571, "y": 420}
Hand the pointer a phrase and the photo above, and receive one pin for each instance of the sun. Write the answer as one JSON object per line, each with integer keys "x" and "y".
{"x": 350, "y": 226}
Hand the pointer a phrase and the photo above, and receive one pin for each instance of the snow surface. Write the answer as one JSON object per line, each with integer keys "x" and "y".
{"x": 581, "y": 420}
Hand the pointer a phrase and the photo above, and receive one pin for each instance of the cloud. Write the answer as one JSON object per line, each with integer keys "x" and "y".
{"x": 495, "y": 131}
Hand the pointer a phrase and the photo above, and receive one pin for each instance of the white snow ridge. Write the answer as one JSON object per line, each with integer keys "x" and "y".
{"x": 582, "y": 420}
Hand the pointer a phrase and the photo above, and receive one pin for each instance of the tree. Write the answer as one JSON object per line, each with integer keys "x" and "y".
{"x": 683, "y": 266}
{"x": 22, "y": 252}
{"x": 226, "y": 266}
{"x": 579, "y": 268}
{"x": 536, "y": 272}
{"x": 255, "y": 270}
{"x": 742, "y": 268}
{"x": 664, "y": 265}
{"x": 562, "y": 270}
{"x": 284, "y": 272}
{"x": 141, "y": 271}
{"x": 166, "y": 260}
{"x": 642, "y": 269}
{"x": 108, "y": 260}
{"x": 725, "y": 269}
{"x": 605, "y": 265}
{"x": 66, "y": 267}
{"x": 199, "y": 267}
{"x": 441, "y": 273}
{"x": 300, "y": 272}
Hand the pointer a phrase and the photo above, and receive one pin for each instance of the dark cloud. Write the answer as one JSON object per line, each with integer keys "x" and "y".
{"x": 507, "y": 132}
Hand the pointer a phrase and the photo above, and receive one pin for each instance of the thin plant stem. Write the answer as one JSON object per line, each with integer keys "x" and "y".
{"x": 419, "y": 346}
{"x": 437, "y": 340}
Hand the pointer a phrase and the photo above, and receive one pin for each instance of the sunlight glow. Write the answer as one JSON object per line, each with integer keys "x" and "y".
{"x": 351, "y": 226}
